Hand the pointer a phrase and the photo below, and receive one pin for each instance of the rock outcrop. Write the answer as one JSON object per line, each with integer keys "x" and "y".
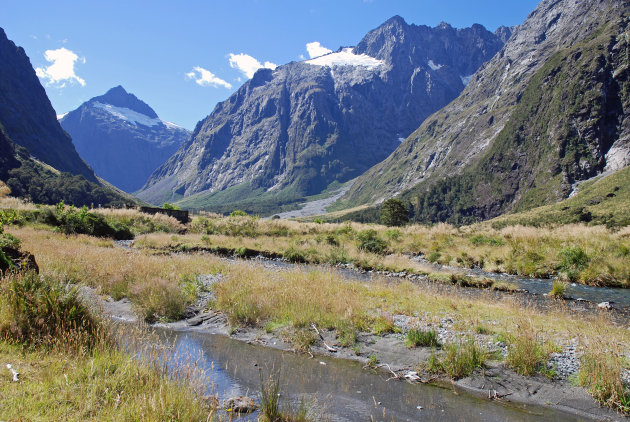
{"x": 547, "y": 111}
{"x": 293, "y": 131}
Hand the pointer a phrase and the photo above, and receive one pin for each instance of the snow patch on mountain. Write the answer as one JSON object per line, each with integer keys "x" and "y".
{"x": 346, "y": 57}
{"x": 61, "y": 116}
{"x": 128, "y": 115}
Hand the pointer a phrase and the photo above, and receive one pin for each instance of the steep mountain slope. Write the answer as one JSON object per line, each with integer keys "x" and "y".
{"x": 42, "y": 184}
{"x": 295, "y": 130}
{"x": 122, "y": 138}
{"x": 547, "y": 111}
{"x": 28, "y": 117}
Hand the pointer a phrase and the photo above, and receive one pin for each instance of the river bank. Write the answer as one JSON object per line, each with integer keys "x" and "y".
{"x": 399, "y": 363}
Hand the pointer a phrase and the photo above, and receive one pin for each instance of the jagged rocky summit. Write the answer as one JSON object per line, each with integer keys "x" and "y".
{"x": 122, "y": 138}
{"x": 295, "y": 130}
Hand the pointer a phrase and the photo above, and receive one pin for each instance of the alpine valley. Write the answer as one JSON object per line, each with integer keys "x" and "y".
{"x": 309, "y": 126}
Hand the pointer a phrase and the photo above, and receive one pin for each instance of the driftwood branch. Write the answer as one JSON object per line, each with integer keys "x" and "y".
{"x": 330, "y": 349}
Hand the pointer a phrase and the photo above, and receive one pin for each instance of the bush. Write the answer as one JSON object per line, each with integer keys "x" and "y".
{"x": 417, "y": 337}
{"x": 369, "y": 241}
{"x": 573, "y": 259}
{"x": 238, "y": 213}
{"x": 168, "y": 206}
{"x": 294, "y": 255}
{"x": 72, "y": 220}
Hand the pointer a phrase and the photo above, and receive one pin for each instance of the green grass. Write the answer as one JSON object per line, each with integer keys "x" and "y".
{"x": 418, "y": 337}
{"x": 458, "y": 360}
{"x": 71, "y": 368}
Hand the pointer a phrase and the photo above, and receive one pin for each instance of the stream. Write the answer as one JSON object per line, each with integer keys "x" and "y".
{"x": 617, "y": 296}
{"x": 338, "y": 390}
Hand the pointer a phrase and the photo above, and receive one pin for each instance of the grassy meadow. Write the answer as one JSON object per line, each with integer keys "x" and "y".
{"x": 159, "y": 275}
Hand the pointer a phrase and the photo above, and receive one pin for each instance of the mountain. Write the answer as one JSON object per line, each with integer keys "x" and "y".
{"x": 40, "y": 183}
{"x": 548, "y": 111}
{"x": 37, "y": 159}
{"x": 122, "y": 138}
{"x": 28, "y": 117}
{"x": 309, "y": 125}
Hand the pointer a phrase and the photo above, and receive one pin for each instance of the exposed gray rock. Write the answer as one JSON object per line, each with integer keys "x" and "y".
{"x": 307, "y": 124}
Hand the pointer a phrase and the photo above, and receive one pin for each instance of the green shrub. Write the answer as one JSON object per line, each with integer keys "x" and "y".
{"x": 369, "y": 241}
{"x": 337, "y": 256}
{"x": 72, "y": 220}
{"x": 295, "y": 255}
{"x": 459, "y": 359}
{"x": 434, "y": 256}
{"x": 418, "y": 337}
{"x": 168, "y": 206}
{"x": 573, "y": 258}
{"x": 393, "y": 234}
{"x": 238, "y": 213}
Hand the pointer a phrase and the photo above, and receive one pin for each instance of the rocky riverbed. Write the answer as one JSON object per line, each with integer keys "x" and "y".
{"x": 402, "y": 364}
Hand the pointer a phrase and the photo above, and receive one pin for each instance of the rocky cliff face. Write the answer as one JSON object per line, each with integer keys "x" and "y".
{"x": 122, "y": 138}
{"x": 28, "y": 117}
{"x": 293, "y": 131}
{"x": 548, "y": 110}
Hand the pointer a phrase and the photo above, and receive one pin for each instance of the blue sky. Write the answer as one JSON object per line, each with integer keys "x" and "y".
{"x": 183, "y": 57}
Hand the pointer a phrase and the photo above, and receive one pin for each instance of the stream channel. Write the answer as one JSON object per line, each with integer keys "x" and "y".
{"x": 338, "y": 390}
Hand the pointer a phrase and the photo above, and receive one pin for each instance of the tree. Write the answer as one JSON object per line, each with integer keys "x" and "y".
{"x": 394, "y": 213}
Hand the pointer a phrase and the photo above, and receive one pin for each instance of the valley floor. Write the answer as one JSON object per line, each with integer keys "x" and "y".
{"x": 433, "y": 327}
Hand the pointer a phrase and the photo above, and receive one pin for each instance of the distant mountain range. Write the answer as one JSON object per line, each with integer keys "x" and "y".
{"x": 306, "y": 126}
{"x": 37, "y": 158}
{"x": 549, "y": 110}
{"x": 122, "y": 138}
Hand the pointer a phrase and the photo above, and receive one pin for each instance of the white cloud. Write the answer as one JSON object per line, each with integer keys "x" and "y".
{"x": 248, "y": 65}
{"x": 315, "y": 49}
{"x": 204, "y": 77}
{"x": 62, "y": 68}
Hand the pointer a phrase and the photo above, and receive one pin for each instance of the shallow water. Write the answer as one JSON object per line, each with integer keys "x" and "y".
{"x": 340, "y": 390}
{"x": 619, "y": 297}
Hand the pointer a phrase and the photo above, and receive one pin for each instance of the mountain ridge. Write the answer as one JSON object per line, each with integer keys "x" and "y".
{"x": 28, "y": 116}
{"x": 122, "y": 137}
{"x": 295, "y": 130}
{"x": 459, "y": 136}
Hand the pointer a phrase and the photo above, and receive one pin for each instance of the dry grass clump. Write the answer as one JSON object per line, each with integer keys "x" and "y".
{"x": 528, "y": 353}
{"x": 153, "y": 282}
{"x": 141, "y": 223}
{"x": 17, "y": 204}
{"x": 600, "y": 373}
{"x": 4, "y": 190}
